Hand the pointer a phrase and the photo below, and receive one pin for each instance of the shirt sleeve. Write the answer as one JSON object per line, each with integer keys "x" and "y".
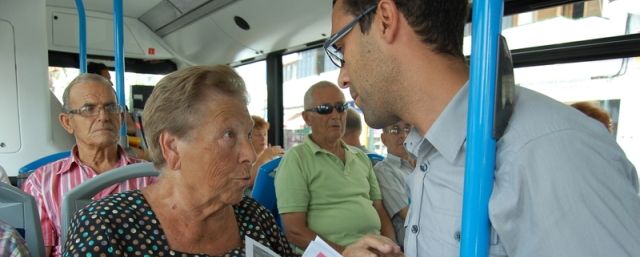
{"x": 566, "y": 193}
{"x": 33, "y": 187}
{"x": 11, "y": 243}
{"x": 292, "y": 189}
{"x": 394, "y": 196}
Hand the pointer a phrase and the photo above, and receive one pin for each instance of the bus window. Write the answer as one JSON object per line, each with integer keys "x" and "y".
{"x": 59, "y": 79}
{"x": 255, "y": 79}
{"x": 567, "y": 23}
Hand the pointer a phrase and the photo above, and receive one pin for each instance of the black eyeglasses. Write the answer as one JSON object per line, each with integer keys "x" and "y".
{"x": 325, "y": 109}
{"x": 94, "y": 110}
{"x": 395, "y": 130}
{"x": 335, "y": 52}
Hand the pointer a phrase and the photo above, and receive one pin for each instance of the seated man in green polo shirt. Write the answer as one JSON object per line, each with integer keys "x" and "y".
{"x": 325, "y": 187}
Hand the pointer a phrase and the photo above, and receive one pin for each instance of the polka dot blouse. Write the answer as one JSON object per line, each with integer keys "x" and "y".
{"x": 125, "y": 225}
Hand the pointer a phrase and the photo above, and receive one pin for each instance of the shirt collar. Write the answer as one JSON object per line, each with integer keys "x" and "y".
{"x": 74, "y": 160}
{"x": 393, "y": 160}
{"x": 448, "y": 133}
{"x": 315, "y": 148}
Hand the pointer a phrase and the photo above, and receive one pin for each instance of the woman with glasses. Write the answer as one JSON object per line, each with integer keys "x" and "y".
{"x": 199, "y": 133}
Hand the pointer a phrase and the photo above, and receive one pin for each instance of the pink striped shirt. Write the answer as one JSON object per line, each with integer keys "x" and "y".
{"x": 50, "y": 182}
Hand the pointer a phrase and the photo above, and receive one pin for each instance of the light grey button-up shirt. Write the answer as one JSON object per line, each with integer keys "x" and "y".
{"x": 563, "y": 187}
{"x": 391, "y": 173}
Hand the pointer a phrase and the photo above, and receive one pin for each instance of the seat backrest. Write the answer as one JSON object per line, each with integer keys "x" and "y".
{"x": 375, "y": 158}
{"x": 26, "y": 170}
{"x": 18, "y": 209}
{"x": 264, "y": 191}
{"x": 42, "y": 161}
{"x": 80, "y": 196}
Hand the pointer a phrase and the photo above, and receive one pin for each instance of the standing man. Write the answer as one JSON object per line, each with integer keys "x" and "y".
{"x": 93, "y": 116}
{"x": 325, "y": 187}
{"x": 392, "y": 173}
{"x": 562, "y": 185}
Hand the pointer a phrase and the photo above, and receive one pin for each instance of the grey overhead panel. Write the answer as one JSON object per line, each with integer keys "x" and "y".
{"x": 82, "y": 195}
{"x": 18, "y": 209}
{"x": 132, "y": 9}
{"x": 273, "y": 25}
{"x": 171, "y": 15}
{"x": 276, "y": 24}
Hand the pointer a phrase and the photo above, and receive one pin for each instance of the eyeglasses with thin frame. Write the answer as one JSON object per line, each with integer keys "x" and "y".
{"x": 325, "y": 109}
{"x": 334, "y": 51}
{"x": 395, "y": 130}
{"x": 91, "y": 110}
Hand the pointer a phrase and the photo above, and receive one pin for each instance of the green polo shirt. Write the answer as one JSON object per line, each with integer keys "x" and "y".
{"x": 337, "y": 197}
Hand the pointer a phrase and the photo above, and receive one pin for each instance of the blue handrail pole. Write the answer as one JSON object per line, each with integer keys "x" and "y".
{"x": 481, "y": 147}
{"x": 118, "y": 45}
{"x": 82, "y": 36}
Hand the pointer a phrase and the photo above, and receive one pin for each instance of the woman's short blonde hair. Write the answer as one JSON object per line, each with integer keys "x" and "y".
{"x": 259, "y": 123}
{"x": 174, "y": 103}
{"x": 596, "y": 112}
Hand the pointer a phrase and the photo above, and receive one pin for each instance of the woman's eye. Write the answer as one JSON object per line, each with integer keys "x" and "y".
{"x": 228, "y": 134}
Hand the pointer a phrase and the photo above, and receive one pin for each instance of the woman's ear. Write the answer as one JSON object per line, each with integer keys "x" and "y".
{"x": 169, "y": 148}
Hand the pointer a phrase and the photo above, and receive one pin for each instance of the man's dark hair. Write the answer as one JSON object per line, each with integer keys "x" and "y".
{"x": 96, "y": 67}
{"x": 437, "y": 22}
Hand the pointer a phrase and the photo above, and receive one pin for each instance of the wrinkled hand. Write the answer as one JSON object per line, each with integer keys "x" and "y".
{"x": 372, "y": 246}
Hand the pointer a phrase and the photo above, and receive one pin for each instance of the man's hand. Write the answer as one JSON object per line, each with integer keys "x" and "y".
{"x": 372, "y": 246}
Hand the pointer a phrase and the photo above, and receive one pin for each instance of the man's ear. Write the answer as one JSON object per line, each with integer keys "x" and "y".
{"x": 65, "y": 121}
{"x": 305, "y": 117}
{"x": 169, "y": 148}
{"x": 388, "y": 20}
{"x": 383, "y": 138}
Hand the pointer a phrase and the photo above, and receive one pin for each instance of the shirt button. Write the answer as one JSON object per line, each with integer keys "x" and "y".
{"x": 424, "y": 167}
{"x": 456, "y": 236}
{"x": 414, "y": 229}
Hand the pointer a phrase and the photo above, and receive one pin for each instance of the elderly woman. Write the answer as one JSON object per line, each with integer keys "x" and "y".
{"x": 264, "y": 151}
{"x": 199, "y": 134}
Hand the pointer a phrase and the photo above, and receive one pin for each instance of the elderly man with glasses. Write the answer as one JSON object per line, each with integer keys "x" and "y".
{"x": 392, "y": 173}
{"x": 93, "y": 116}
{"x": 325, "y": 187}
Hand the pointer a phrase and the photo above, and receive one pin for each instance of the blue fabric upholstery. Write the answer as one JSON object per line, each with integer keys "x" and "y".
{"x": 264, "y": 191}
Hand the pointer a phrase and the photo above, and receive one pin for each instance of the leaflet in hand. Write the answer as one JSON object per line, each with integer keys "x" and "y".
{"x": 254, "y": 248}
{"x": 319, "y": 248}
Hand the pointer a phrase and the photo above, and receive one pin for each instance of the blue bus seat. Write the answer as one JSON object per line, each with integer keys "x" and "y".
{"x": 42, "y": 161}
{"x": 26, "y": 170}
{"x": 18, "y": 209}
{"x": 375, "y": 158}
{"x": 264, "y": 191}
{"x": 80, "y": 196}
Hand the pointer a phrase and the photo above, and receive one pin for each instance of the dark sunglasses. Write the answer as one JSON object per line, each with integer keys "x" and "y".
{"x": 325, "y": 109}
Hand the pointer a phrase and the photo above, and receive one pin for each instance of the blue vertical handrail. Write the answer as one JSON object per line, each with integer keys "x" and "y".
{"x": 82, "y": 36}
{"x": 118, "y": 45}
{"x": 481, "y": 146}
